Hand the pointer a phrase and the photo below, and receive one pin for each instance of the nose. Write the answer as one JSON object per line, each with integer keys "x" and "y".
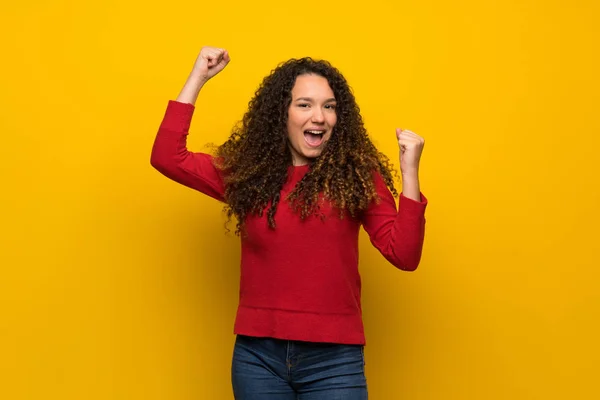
{"x": 317, "y": 115}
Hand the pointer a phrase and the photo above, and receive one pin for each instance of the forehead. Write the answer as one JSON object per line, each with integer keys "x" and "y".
{"x": 314, "y": 86}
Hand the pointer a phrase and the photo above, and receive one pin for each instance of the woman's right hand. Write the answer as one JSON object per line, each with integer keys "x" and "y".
{"x": 210, "y": 62}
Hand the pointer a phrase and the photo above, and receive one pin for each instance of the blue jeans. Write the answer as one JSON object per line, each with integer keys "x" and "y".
{"x": 274, "y": 369}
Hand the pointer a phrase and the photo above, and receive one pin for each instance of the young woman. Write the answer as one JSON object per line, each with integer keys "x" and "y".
{"x": 300, "y": 176}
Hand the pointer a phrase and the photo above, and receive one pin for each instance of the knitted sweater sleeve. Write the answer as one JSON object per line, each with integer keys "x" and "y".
{"x": 398, "y": 234}
{"x": 171, "y": 157}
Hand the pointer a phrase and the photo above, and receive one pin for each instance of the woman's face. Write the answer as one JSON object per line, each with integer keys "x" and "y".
{"x": 311, "y": 117}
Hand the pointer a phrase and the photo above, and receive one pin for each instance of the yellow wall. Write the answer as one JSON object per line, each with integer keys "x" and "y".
{"x": 119, "y": 284}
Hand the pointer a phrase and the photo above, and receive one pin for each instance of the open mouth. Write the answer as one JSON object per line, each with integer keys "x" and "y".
{"x": 314, "y": 138}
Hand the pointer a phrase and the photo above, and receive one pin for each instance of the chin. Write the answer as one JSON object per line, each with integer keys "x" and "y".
{"x": 311, "y": 155}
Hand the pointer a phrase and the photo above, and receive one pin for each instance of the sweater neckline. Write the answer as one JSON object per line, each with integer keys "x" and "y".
{"x": 298, "y": 171}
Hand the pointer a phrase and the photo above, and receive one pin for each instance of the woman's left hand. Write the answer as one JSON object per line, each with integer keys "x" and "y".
{"x": 411, "y": 147}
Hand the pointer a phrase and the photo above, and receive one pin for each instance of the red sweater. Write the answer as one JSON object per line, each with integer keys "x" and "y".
{"x": 301, "y": 280}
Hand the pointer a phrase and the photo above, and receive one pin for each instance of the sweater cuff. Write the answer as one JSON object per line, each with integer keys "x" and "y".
{"x": 178, "y": 116}
{"x": 409, "y": 207}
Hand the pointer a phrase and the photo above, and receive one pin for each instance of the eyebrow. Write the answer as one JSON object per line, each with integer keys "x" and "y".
{"x": 310, "y": 99}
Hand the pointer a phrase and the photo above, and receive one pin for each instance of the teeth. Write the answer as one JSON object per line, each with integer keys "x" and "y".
{"x": 316, "y": 132}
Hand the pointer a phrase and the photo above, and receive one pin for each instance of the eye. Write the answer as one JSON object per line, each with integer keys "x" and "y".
{"x": 304, "y": 105}
{"x": 330, "y": 106}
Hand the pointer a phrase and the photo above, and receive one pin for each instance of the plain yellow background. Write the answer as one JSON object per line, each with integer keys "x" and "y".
{"x": 117, "y": 283}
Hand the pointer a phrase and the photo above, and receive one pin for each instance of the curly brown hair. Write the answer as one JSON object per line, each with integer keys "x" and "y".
{"x": 256, "y": 157}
